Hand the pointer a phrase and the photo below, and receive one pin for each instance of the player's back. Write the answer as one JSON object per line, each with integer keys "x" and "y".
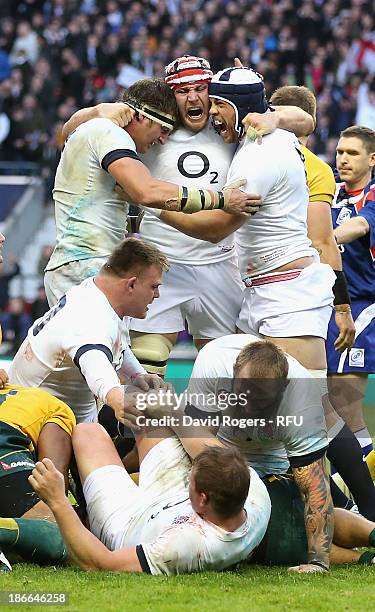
{"x": 29, "y": 409}
{"x": 180, "y": 541}
{"x": 277, "y": 233}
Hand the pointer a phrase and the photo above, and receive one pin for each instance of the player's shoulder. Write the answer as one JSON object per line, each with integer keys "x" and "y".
{"x": 103, "y": 128}
{"x": 370, "y": 191}
{"x": 271, "y": 144}
{"x": 86, "y": 302}
{"x": 312, "y": 158}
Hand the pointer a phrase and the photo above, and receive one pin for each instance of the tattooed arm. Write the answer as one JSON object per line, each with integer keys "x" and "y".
{"x": 313, "y": 482}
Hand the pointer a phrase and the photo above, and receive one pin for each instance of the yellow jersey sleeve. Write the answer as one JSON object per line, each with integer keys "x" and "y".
{"x": 320, "y": 178}
{"x": 30, "y": 409}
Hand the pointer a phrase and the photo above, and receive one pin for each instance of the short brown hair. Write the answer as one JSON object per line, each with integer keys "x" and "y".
{"x": 134, "y": 254}
{"x": 223, "y": 475}
{"x": 364, "y": 134}
{"x": 295, "y": 95}
{"x": 153, "y": 92}
{"x": 265, "y": 360}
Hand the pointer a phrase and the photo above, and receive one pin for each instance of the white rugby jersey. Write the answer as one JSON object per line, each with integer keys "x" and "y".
{"x": 90, "y": 216}
{"x": 277, "y": 233}
{"x": 195, "y": 159}
{"x": 73, "y": 351}
{"x": 176, "y": 540}
{"x": 269, "y": 447}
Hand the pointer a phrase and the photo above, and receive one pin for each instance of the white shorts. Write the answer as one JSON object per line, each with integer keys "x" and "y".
{"x": 58, "y": 281}
{"x": 283, "y": 307}
{"x": 118, "y": 509}
{"x": 208, "y": 297}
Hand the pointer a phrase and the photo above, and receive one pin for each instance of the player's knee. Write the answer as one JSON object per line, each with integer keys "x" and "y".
{"x": 152, "y": 350}
{"x": 83, "y": 435}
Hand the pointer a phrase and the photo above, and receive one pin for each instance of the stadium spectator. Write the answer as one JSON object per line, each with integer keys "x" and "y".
{"x": 5, "y": 278}
{"x": 39, "y": 306}
{"x": 44, "y": 258}
{"x": 14, "y": 322}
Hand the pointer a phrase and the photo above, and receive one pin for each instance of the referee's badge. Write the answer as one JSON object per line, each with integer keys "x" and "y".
{"x": 344, "y": 215}
{"x": 357, "y": 357}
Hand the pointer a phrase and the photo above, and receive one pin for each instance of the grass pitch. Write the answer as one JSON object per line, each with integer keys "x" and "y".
{"x": 252, "y": 589}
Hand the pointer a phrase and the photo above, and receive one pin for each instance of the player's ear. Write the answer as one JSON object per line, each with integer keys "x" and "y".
{"x": 130, "y": 283}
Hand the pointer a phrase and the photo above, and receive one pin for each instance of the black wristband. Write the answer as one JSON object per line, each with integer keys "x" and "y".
{"x": 184, "y": 197}
{"x": 340, "y": 289}
{"x": 221, "y": 200}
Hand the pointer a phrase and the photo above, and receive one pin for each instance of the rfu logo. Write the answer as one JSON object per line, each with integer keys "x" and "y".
{"x": 344, "y": 216}
{"x": 357, "y": 357}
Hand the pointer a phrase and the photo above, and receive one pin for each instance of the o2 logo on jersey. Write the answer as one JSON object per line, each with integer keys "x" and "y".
{"x": 194, "y": 164}
{"x": 357, "y": 358}
{"x": 343, "y": 216}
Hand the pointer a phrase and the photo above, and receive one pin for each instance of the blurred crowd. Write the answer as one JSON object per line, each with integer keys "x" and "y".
{"x": 58, "y": 55}
{"x": 17, "y": 314}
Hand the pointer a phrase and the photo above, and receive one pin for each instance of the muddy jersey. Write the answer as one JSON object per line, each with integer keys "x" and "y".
{"x": 74, "y": 350}
{"x": 90, "y": 217}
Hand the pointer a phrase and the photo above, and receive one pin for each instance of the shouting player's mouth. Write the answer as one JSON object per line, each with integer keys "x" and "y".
{"x": 195, "y": 113}
{"x": 220, "y": 126}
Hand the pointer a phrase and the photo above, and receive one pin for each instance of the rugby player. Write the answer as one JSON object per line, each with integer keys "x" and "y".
{"x": 76, "y": 348}
{"x": 322, "y": 187}
{"x": 170, "y": 524}
{"x": 33, "y": 425}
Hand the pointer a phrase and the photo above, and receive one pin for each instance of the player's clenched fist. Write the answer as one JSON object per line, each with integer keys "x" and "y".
{"x": 48, "y": 482}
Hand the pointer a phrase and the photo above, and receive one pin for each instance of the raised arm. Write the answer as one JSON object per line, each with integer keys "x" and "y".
{"x": 312, "y": 480}
{"x": 118, "y": 112}
{"x": 289, "y": 118}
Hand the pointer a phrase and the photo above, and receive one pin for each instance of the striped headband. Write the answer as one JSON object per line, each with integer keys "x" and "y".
{"x": 164, "y": 119}
{"x": 187, "y": 69}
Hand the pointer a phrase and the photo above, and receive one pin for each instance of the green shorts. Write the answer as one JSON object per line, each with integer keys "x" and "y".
{"x": 285, "y": 541}
{"x": 15, "y": 453}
